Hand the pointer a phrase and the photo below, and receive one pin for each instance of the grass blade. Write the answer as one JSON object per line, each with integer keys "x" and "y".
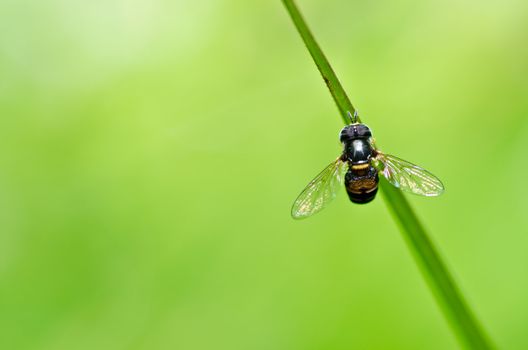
{"x": 438, "y": 277}
{"x": 338, "y": 93}
{"x": 449, "y": 297}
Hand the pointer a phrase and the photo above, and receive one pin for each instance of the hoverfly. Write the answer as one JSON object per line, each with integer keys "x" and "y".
{"x": 358, "y": 168}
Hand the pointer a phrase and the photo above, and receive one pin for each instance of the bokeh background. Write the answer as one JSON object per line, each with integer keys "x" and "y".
{"x": 150, "y": 152}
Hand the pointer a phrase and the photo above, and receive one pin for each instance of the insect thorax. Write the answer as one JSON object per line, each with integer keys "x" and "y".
{"x": 356, "y": 143}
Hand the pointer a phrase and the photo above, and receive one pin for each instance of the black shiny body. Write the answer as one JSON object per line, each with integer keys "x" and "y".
{"x": 361, "y": 179}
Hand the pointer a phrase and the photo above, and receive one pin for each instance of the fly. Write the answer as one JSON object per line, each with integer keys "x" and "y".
{"x": 358, "y": 168}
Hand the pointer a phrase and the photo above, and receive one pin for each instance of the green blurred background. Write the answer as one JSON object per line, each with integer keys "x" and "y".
{"x": 150, "y": 152}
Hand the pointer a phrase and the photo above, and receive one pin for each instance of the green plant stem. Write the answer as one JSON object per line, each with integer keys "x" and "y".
{"x": 448, "y": 295}
{"x": 338, "y": 93}
{"x": 438, "y": 277}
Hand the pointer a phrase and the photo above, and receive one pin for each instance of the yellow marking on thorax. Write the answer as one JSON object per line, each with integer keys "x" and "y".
{"x": 360, "y": 166}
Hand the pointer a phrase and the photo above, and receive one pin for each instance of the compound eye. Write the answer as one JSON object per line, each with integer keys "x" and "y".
{"x": 344, "y": 135}
{"x": 364, "y": 131}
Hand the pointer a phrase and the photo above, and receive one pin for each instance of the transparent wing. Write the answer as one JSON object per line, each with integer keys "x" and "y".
{"x": 320, "y": 191}
{"x": 407, "y": 176}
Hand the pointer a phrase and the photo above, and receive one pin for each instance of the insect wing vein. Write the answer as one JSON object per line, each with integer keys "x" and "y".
{"x": 320, "y": 191}
{"x": 409, "y": 177}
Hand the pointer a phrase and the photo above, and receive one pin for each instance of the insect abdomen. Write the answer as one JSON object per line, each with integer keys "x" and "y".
{"x": 361, "y": 184}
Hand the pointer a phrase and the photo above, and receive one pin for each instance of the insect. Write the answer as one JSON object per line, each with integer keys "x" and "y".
{"x": 358, "y": 168}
